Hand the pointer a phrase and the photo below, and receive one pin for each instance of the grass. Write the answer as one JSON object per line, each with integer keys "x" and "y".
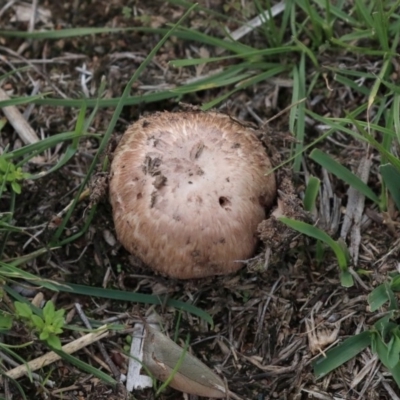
{"x": 340, "y": 57}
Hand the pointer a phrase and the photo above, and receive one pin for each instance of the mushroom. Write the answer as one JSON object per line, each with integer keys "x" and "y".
{"x": 188, "y": 190}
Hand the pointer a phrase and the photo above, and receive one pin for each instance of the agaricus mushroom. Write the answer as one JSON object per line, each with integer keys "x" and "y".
{"x": 188, "y": 191}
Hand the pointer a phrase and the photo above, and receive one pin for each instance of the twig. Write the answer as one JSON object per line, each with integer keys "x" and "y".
{"x": 107, "y": 359}
{"x": 7, "y": 392}
{"x": 134, "y": 380}
{"x": 51, "y": 357}
{"x": 6, "y": 7}
{"x": 18, "y": 122}
{"x": 33, "y": 15}
{"x": 354, "y": 210}
{"x": 258, "y": 21}
{"x": 388, "y": 388}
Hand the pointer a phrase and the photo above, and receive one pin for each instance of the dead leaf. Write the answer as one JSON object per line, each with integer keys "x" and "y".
{"x": 161, "y": 355}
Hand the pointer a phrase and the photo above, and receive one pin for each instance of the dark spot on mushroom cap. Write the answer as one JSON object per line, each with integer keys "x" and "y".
{"x": 224, "y": 202}
{"x": 160, "y": 181}
{"x": 198, "y": 226}
{"x": 153, "y": 199}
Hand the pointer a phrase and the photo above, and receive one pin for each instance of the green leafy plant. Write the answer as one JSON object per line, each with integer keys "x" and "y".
{"x": 127, "y": 12}
{"x": 383, "y": 338}
{"x": 6, "y": 321}
{"x": 11, "y": 174}
{"x": 48, "y": 327}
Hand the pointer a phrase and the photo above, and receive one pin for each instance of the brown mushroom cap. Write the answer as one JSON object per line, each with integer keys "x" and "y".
{"x": 188, "y": 191}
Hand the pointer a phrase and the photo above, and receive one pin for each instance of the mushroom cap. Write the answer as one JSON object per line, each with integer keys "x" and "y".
{"x": 188, "y": 191}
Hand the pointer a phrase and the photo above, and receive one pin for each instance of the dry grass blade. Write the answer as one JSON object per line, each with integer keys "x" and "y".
{"x": 257, "y": 21}
{"x": 134, "y": 379}
{"x": 355, "y": 211}
{"x": 17, "y": 120}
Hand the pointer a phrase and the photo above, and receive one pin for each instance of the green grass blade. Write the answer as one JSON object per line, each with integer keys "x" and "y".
{"x": 243, "y": 85}
{"x": 134, "y": 298}
{"x": 364, "y": 13}
{"x": 10, "y": 272}
{"x": 350, "y": 72}
{"x": 311, "y": 193}
{"x": 15, "y": 383}
{"x": 358, "y": 35}
{"x": 336, "y": 12}
{"x": 343, "y": 173}
{"x": 351, "y": 84}
{"x": 289, "y": 8}
{"x": 395, "y": 283}
{"x": 383, "y": 353}
{"x": 6, "y": 75}
{"x": 194, "y": 35}
{"x": 340, "y": 124}
{"x": 381, "y": 26}
{"x": 42, "y": 145}
{"x": 86, "y": 367}
{"x": 71, "y": 149}
{"x": 318, "y": 234}
{"x": 297, "y": 112}
{"x": 396, "y": 115}
{"x": 21, "y": 100}
{"x": 378, "y": 297}
{"x": 225, "y": 78}
{"x": 342, "y": 254}
{"x": 373, "y": 142}
{"x": 61, "y": 34}
{"x": 346, "y": 279}
{"x": 339, "y": 355}
{"x": 15, "y": 262}
{"x": 308, "y": 52}
{"x": 252, "y": 56}
{"x": 391, "y": 177}
{"x": 361, "y": 50}
{"x": 105, "y": 103}
{"x": 314, "y": 18}
{"x": 206, "y": 10}
{"x": 378, "y": 81}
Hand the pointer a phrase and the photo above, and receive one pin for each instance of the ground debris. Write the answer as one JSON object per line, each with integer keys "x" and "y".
{"x": 276, "y": 236}
{"x": 98, "y": 187}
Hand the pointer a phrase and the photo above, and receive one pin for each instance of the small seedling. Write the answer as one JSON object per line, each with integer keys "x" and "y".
{"x": 127, "y": 12}
{"x": 48, "y": 327}
{"x": 10, "y": 174}
{"x": 5, "y": 321}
